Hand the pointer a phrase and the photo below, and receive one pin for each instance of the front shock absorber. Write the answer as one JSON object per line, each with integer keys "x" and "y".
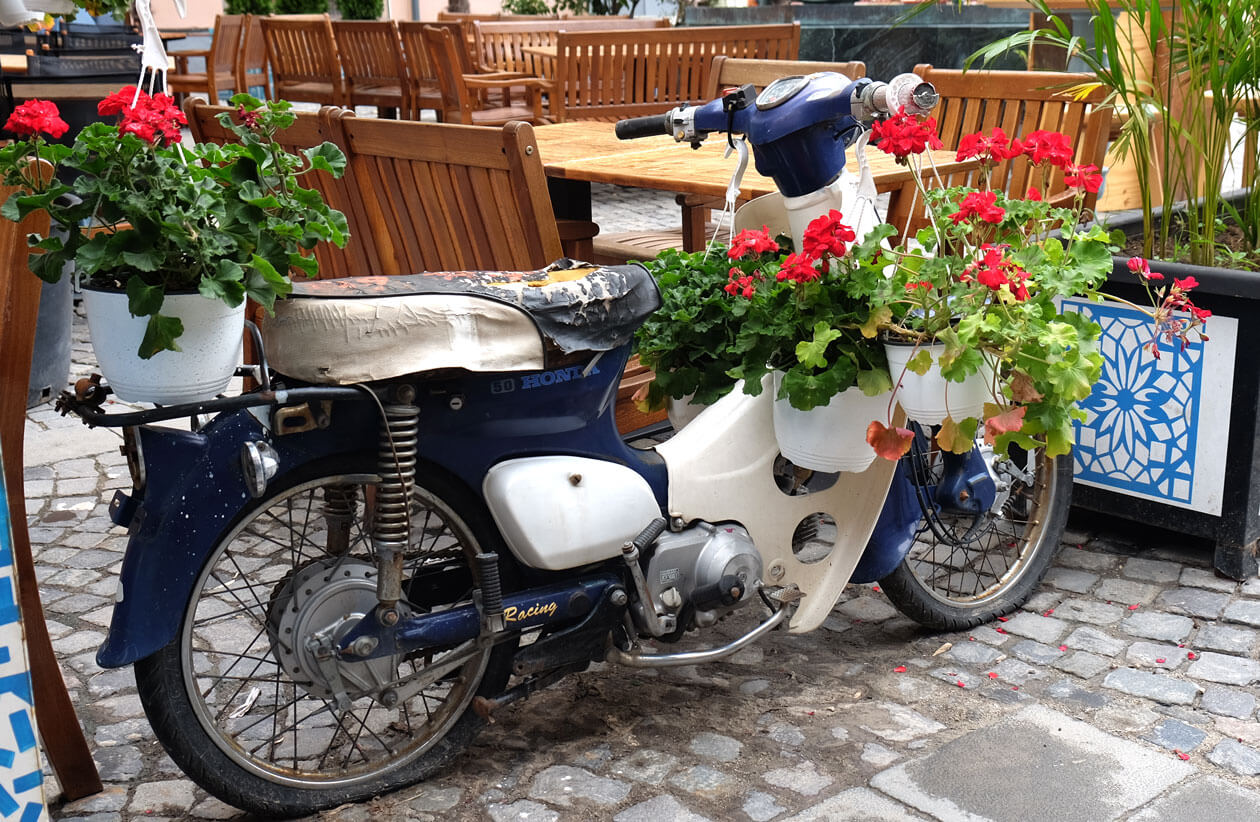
{"x": 391, "y": 527}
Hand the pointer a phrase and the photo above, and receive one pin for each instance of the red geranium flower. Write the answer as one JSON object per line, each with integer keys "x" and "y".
{"x": 827, "y": 235}
{"x": 751, "y": 241}
{"x": 1048, "y": 147}
{"x": 903, "y": 134}
{"x": 991, "y": 149}
{"x": 37, "y": 117}
{"x": 799, "y": 268}
{"x": 1085, "y": 177}
{"x": 980, "y": 204}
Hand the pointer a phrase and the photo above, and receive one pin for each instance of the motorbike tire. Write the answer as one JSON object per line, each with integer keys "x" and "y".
{"x": 963, "y": 570}
{"x": 236, "y": 708}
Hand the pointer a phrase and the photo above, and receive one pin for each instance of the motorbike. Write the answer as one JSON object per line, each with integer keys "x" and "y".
{"x": 424, "y": 512}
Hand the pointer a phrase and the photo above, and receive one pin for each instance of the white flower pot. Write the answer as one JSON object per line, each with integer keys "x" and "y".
{"x": 929, "y": 398}
{"x": 681, "y": 412}
{"x": 831, "y": 437}
{"x": 211, "y": 345}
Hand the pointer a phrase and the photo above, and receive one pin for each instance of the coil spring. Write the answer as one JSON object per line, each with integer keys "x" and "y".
{"x": 397, "y": 466}
{"x": 340, "y": 505}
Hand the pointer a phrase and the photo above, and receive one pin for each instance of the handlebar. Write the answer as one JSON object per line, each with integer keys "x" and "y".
{"x": 653, "y": 125}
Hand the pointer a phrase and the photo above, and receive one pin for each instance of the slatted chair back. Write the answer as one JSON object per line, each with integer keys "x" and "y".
{"x": 221, "y": 60}
{"x": 1019, "y": 102}
{"x": 251, "y": 66}
{"x": 360, "y": 256}
{"x": 463, "y": 95}
{"x": 372, "y": 61}
{"x": 451, "y": 197}
{"x": 303, "y": 58}
{"x": 726, "y": 72}
{"x": 609, "y": 75}
{"x": 425, "y": 90}
{"x": 501, "y": 45}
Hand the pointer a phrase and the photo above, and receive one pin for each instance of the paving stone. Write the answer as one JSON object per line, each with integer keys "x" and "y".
{"x": 1089, "y": 560}
{"x": 1246, "y": 611}
{"x": 111, "y": 799}
{"x": 1168, "y": 627}
{"x": 1034, "y": 626}
{"x": 1083, "y": 664}
{"x": 881, "y": 756}
{"x": 1035, "y": 652}
{"x": 973, "y": 653}
{"x": 867, "y": 609}
{"x": 1042, "y": 601}
{"x": 212, "y": 808}
{"x": 1251, "y": 588}
{"x": 1126, "y": 716}
{"x": 1244, "y": 731}
{"x": 1176, "y": 735}
{"x": 701, "y": 779}
{"x": 762, "y": 807}
{"x": 1228, "y": 702}
{"x": 1230, "y": 670}
{"x": 1094, "y": 641}
{"x": 1018, "y": 672}
{"x": 174, "y": 797}
{"x": 1201, "y": 797}
{"x": 1204, "y": 578}
{"x": 522, "y": 811}
{"x": 893, "y": 722}
{"x": 1235, "y": 756}
{"x": 804, "y": 779}
{"x": 1090, "y": 611}
{"x": 985, "y": 773}
{"x": 1151, "y": 570}
{"x": 786, "y": 734}
{"x": 121, "y": 763}
{"x": 1158, "y": 687}
{"x": 987, "y": 635}
{"x": 752, "y": 687}
{"x": 593, "y": 760}
{"x": 953, "y": 676}
{"x": 1126, "y": 591}
{"x": 1155, "y": 655}
{"x": 856, "y": 805}
{"x": 1068, "y": 691}
{"x": 78, "y": 641}
{"x": 1071, "y": 579}
{"x": 645, "y": 765}
{"x": 657, "y": 809}
{"x": 716, "y": 747}
{"x": 561, "y": 784}
{"x": 1214, "y": 637}
{"x": 1194, "y": 601}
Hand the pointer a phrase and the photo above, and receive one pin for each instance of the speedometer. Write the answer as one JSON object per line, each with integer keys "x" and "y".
{"x": 780, "y": 91}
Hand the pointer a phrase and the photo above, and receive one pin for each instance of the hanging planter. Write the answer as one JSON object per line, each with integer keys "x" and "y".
{"x": 210, "y": 347}
{"x": 831, "y": 437}
{"x": 681, "y": 412}
{"x": 929, "y": 398}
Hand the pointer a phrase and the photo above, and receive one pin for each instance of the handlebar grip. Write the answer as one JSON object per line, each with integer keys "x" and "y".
{"x": 651, "y": 126}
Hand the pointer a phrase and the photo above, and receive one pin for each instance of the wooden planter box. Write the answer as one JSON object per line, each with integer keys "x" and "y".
{"x": 1172, "y": 442}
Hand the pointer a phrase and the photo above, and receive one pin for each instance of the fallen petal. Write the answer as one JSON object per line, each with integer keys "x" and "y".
{"x": 900, "y": 669}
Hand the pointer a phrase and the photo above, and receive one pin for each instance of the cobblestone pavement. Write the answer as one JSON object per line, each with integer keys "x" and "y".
{"x": 1125, "y": 689}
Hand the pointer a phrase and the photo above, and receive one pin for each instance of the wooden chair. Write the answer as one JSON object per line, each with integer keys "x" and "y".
{"x": 501, "y": 45}
{"x": 1018, "y": 102}
{"x": 372, "y": 60}
{"x": 609, "y": 75}
{"x": 460, "y": 103}
{"x": 360, "y": 256}
{"x": 445, "y": 197}
{"x": 63, "y": 740}
{"x": 251, "y": 67}
{"x": 696, "y": 231}
{"x": 303, "y": 58}
{"x": 422, "y": 80}
{"x": 221, "y": 61}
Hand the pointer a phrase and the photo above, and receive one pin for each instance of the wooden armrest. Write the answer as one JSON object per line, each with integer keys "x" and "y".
{"x": 182, "y": 58}
{"x": 506, "y": 75}
{"x": 576, "y": 229}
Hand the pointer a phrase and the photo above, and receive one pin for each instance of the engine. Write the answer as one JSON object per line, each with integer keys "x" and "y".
{"x": 697, "y": 575}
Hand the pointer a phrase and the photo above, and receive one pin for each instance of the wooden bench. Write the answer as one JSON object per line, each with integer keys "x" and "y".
{"x": 501, "y": 45}
{"x": 610, "y": 75}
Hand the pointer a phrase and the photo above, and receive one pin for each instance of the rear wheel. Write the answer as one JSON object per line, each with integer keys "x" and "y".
{"x": 964, "y": 569}
{"x": 245, "y": 703}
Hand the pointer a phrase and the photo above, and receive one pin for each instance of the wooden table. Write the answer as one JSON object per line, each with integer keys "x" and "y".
{"x": 576, "y": 154}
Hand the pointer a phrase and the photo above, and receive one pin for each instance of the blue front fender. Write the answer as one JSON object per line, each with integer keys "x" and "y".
{"x": 195, "y": 490}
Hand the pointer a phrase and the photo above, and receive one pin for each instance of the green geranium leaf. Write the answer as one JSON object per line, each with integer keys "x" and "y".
{"x": 143, "y": 299}
{"x": 160, "y": 334}
{"x": 874, "y": 382}
{"x": 921, "y": 362}
{"x": 326, "y": 157}
{"x": 813, "y": 353}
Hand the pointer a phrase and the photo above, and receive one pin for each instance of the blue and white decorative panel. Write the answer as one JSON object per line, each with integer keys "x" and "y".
{"x": 1157, "y": 428}
{"x": 21, "y": 781}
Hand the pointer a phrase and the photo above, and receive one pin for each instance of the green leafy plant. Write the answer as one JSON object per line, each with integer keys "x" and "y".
{"x": 526, "y": 6}
{"x": 247, "y": 6}
{"x": 1177, "y": 114}
{"x": 301, "y": 6}
{"x": 361, "y": 9}
{"x": 151, "y": 216}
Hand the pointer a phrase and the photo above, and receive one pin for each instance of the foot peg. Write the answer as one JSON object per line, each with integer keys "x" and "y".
{"x": 491, "y": 594}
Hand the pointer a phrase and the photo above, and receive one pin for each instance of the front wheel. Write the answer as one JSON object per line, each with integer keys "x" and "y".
{"x": 241, "y": 698}
{"x": 965, "y": 569}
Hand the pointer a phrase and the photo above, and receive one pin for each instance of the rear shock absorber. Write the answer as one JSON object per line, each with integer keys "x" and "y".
{"x": 340, "y": 505}
{"x": 391, "y": 527}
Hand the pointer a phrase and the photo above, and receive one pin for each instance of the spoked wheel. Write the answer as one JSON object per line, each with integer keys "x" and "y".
{"x": 250, "y": 706}
{"x": 964, "y": 568}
